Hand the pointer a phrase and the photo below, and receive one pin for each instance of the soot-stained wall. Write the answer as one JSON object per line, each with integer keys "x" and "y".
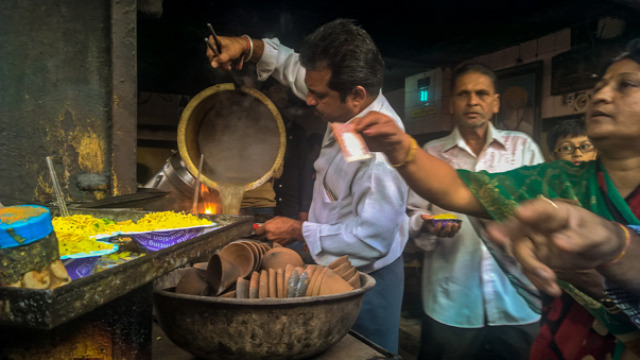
{"x": 67, "y": 90}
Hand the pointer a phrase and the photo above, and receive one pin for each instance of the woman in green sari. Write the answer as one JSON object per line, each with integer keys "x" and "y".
{"x": 608, "y": 245}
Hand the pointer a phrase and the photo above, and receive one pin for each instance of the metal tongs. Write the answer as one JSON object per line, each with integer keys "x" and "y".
{"x": 216, "y": 50}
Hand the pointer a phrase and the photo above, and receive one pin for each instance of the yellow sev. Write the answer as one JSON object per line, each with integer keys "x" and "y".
{"x": 74, "y": 232}
{"x": 447, "y": 216}
{"x": 163, "y": 220}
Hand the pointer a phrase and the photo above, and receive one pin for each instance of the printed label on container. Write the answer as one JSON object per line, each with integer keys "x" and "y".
{"x": 158, "y": 240}
{"x": 81, "y": 264}
{"x": 80, "y": 267}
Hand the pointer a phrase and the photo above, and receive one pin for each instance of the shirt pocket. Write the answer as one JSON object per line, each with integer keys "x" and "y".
{"x": 329, "y": 196}
{"x": 336, "y": 205}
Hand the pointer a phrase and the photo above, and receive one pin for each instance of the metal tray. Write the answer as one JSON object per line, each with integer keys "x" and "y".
{"x": 46, "y": 309}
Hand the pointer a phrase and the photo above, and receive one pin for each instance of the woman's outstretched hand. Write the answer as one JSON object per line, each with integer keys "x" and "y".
{"x": 545, "y": 236}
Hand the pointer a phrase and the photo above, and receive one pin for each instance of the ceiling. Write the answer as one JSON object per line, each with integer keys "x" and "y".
{"x": 413, "y": 36}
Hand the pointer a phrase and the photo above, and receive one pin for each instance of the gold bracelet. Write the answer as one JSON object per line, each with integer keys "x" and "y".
{"x": 411, "y": 155}
{"x": 627, "y": 241}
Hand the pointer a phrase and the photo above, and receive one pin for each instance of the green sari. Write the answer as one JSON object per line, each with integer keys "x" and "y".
{"x": 500, "y": 194}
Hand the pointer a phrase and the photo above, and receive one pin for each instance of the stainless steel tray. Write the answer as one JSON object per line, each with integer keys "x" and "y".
{"x": 45, "y": 309}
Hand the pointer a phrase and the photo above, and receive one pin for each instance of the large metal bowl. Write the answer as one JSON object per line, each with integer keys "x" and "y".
{"x": 240, "y": 329}
{"x": 240, "y": 133}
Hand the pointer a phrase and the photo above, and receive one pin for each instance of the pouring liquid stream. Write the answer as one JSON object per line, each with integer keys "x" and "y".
{"x": 231, "y": 198}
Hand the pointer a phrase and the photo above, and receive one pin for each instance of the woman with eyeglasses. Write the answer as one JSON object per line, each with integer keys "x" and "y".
{"x": 568, "y": 140}
{"x": 574, "y": 229}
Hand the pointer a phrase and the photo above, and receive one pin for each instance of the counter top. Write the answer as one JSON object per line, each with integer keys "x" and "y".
{"x": 46, "y": 309}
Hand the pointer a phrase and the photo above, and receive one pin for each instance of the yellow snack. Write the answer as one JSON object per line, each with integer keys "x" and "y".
{"x": 74, "y": 232}
{"x": 163, "y": 220}
{"x": 447, "y": 216}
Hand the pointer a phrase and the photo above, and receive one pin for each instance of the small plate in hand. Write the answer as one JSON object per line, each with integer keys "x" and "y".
{"x": 444, "y": 222}
{"x": 443, "y": 219}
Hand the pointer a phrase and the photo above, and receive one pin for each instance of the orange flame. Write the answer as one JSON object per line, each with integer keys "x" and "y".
{"x": 210, "y": 200}
{"x": 210, "y": 209}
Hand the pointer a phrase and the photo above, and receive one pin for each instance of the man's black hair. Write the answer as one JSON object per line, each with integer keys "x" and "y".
{"x": 475, "y": 68}
{"x": 349, "y": 53}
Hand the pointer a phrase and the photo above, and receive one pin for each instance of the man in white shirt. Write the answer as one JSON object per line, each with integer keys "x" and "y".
{"x": 358, "y": 208}
{"x": 472, "y": 309}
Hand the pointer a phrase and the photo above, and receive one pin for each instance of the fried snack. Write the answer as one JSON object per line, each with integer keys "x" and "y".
{"x": 447, "y": 216}
{"x": 75, "y": 232}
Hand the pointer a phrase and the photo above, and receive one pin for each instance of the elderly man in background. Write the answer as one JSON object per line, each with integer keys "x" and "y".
{"x": 472, "y": 309}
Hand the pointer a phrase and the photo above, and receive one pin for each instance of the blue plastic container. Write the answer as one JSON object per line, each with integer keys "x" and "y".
{"x": 23, "y": 224}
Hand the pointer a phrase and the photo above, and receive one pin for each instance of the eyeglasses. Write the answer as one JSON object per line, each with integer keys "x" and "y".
{"x": 569, "y": 149}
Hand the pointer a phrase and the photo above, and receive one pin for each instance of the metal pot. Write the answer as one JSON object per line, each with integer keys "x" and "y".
{"x": 240, "y": 133}
{"x": 178, "y": 181}
{"x": 173, "y": 172}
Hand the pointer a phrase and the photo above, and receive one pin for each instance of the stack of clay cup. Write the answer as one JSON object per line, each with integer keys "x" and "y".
{"x": 249, "y": 269}
{"x": 343, "y": 268}
{"x": 237, "y": 259}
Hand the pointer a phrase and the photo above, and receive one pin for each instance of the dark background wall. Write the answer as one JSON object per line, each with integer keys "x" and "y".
{"x": 70, "y": 69}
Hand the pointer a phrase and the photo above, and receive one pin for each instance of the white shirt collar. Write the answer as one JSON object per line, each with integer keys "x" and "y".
{"x": 456, "y": 139}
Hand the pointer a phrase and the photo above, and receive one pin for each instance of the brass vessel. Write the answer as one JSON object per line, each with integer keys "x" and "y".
{"x": 240, "y": 133}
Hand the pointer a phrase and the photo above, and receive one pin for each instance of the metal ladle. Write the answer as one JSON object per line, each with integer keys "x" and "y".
{"x": 196, "y": 193}
{"x": 56, "y": 187}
